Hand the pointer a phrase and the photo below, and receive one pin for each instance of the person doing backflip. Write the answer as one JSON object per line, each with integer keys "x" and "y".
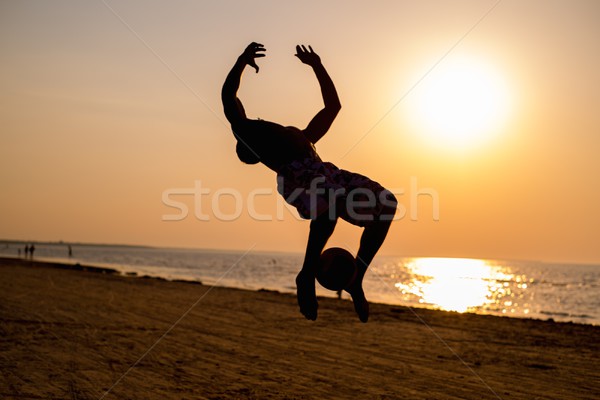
{"x": 319, "y": 190}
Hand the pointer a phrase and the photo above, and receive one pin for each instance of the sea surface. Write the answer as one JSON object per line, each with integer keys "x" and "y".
{"x": 527, "y": 289}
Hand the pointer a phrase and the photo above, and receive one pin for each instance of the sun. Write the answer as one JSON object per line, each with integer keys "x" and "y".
{"x": 460, "y": 104}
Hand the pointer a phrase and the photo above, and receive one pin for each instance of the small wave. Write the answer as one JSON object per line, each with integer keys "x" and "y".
{"x": 555, "y": 313}
{"x": 564, "y": 314}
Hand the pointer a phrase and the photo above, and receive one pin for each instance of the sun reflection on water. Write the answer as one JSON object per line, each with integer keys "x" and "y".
{"x": 459, "y": 284}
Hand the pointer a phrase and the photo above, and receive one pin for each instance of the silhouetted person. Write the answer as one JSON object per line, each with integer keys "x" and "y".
{"x": 26, "y": 250}
{"x": 31, "y": 250}
{"x": 319, "y": 190}
{"x": 70, "y": 251}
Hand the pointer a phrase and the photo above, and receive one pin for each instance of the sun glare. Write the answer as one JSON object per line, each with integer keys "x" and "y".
{"x": 462, "y": 284}
{"x": 460, "y": 104}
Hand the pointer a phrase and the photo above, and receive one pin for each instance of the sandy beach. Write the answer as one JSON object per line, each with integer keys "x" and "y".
{"x": 67, "y": 333}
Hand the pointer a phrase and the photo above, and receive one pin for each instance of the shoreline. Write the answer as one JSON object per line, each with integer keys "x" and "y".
{"x": 271, "y": 251}
{"x": 80, "y": 334}
{"x": 76, "y": 266}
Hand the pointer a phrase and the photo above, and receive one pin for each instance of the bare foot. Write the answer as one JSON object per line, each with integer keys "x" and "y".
{"x": 361, "y": 305}
{"x": 307, "y": 297}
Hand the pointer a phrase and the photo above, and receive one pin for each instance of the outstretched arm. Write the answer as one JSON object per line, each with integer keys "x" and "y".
{"x": 321, "y": 122}
{"x": 234, "y": 110}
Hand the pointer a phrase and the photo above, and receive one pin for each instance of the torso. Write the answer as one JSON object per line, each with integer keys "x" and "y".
{"x": 276, "y": 145}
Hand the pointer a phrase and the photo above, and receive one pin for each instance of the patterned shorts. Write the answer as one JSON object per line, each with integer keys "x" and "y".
{"x": 315, "y": 187}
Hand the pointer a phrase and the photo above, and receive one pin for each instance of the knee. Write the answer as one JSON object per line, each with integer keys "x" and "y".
{"x": 389, "y": 205}
{"x": 324, "y": 222}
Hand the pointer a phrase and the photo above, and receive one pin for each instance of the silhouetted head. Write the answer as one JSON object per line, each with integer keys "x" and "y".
{"x": 246, "y": 155}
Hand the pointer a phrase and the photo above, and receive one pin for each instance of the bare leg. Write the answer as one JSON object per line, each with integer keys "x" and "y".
{"x": 370, "y": 242}
{"x": 320, "y": 232}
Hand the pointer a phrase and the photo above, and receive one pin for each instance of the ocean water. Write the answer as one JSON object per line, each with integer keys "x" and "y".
{"x": 526, "y": 289}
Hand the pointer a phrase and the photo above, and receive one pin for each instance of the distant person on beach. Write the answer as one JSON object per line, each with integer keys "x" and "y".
{"x": 70, "y": 251}
{"x": 26, "y": 250}
{"x": 319, "y": 190}
{"x": 31, "y": 250}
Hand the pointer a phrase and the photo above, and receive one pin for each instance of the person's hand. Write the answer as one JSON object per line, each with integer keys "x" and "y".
{"x": 307, "y": 56}
{"x": 252, "y": 52}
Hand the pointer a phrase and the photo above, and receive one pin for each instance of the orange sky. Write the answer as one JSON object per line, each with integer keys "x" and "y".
{"x": 107, "y": 105}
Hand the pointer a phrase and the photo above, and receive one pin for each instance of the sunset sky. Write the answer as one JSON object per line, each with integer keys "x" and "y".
{"x": 492, "y": 107}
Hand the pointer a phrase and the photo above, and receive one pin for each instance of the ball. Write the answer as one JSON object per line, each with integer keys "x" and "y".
{"x": 336, "y": 269}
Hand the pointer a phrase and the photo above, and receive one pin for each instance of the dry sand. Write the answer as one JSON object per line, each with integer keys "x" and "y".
{"x": 71, "y": 334}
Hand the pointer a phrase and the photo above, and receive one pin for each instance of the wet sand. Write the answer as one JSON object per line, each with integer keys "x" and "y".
{"x": 67, "y": 333}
